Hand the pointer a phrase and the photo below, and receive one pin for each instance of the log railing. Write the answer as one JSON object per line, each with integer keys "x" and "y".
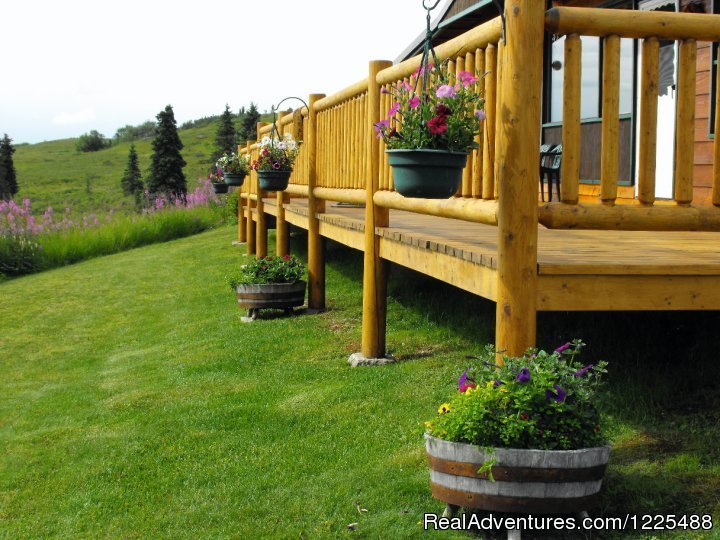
{"x": 341, "y": 159}
{"x": 612, "y": 25}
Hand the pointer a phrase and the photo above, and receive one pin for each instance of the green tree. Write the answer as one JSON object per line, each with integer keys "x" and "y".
{"x": 8, "y": 177}
{"x": 92, "y": 142}
{"x": 225, "y": 135}
{"x": 131, "y": 182}
{"x": 166, "y": 166}
{"x": 248, "y": 129}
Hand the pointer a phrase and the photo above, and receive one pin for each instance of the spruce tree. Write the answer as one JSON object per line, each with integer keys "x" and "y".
{"x": 131, "y": 182}
{"x": 248, "y": 131}
{"x": 225, "y": 135}
{"x": 8, "y": 177}
{"x": 166, "y": 175}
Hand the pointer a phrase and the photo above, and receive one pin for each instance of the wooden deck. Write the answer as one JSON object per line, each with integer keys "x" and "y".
{"x": 578, "y": 270}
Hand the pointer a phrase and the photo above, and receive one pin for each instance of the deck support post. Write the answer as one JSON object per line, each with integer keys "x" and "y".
{"x": 241, "y": 233}
{"x": 519, "y": 155}
{"x": 374, "y": 268}
{"x": 250, "y": 228}
{"x": 316, "y": 243}
{"x": 261, "y": 229}
{"x": 282, "y": 246}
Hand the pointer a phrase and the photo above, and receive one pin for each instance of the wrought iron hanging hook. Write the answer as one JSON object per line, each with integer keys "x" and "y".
{"x": 274, "y": 109}
{"x": 501, "y": 10}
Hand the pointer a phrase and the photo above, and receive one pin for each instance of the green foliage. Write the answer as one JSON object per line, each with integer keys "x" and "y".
{"x": 248, "y": 127}
{"x": 546, "y": 401}
{"x": 200, "y": 122}
{"x": 166, "y": 167}
{"x": 446, "y": 117}
{"x": 287, "y": 269}
{"x": 129, "y": 133}
{"x": 19, "y": 255}
{"x": 92, "y": 142}
{"x": 8, "y": 176}
{"x": 225, "y": 135}
{"x": 131, "y": 182}
{"x": 229, "y": 210}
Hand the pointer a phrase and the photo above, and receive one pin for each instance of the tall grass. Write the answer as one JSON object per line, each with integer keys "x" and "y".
{"x": 30, "y": 243}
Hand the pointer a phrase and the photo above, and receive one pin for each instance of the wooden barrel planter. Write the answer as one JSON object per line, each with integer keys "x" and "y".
{"x": 526, "y": 481}
{"x": 255, "y": 297}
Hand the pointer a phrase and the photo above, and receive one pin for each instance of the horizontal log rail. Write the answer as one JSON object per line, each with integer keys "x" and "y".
{"x": 629, "y": 217}
{"x": 633, "y": 23}
{"x": 350, "y": 196}
{"x": 477, "y": 211}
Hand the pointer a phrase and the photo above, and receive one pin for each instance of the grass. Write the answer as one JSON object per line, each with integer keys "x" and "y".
{"x": 54, "y": 174}
{"x": 133, "y": 403}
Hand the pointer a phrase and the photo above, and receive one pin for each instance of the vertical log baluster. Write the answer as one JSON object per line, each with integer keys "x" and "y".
{"x": 477, "y": 165}
{"x": 488, "y": 187}
{"x": 609, "y": 149}
{"x": 571, "y": 121}
{"x": 685, "y": 122}
{"x": 647, "y": 155}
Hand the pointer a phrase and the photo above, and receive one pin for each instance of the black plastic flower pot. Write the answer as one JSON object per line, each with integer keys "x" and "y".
{"x": 427, "y": 174}
{"x": 273, "y": 180}
{"x": 232, "y": 179}
{"x": 220, "y": 188}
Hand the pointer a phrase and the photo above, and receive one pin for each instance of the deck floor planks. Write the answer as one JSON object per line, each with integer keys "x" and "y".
{"x": 560, "y": 252}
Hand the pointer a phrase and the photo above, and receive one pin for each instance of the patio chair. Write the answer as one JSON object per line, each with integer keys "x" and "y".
{"x": 550, "y": 169}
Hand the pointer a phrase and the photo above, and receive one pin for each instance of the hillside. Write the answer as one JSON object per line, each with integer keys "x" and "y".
{"x": 54, "y": 174}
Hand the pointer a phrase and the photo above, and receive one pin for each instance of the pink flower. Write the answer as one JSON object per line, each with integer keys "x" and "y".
{"x": 414, "y": 102}
{"x": 466, "y": 78}
{"x": 480, "y": 114}
{"x": 446, "y": 91}
{"x": 381, "y": 126}
{"x": 393, "y": 110}
{"x": 405, "y": 86}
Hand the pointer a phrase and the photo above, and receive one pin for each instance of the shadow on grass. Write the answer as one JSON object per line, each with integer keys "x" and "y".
{"x": 663, "y": 391}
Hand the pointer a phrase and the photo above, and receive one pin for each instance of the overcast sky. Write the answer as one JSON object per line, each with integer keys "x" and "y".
{"x": 71, "y": 66}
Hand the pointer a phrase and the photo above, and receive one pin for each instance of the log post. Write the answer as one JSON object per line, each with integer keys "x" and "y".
{"x": 374, "y": 268}
{"x": 250, "y": 229}
{"x": 571, "y": 121}
{"x": 282, "y": 246}
{"x": 519, "y": 136}
{"x": 316, "y": 244}
{"x": 261, "y": 228}
{"x": 242, "y": 228}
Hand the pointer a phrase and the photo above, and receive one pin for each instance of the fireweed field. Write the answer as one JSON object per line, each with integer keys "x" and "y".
{"x": 30, "y": 242}
{"x": 135, "y": 404}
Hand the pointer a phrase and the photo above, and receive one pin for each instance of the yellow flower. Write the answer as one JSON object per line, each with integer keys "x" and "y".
{"x": 429, "y": 424}
{"x": 504, "y": 390}
{"x": 444, "y": 408}
{"x": 467, "y": 392}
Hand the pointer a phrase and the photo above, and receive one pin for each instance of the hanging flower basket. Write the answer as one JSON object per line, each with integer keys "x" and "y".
{"x": 220, "y": 188}
{"x": 427, "y": 174}
{"x": 273, "y": 180}
{"x": 232, "y": 179}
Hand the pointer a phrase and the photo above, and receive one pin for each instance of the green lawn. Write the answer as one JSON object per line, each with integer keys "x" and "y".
{"x": 134, "y": 403}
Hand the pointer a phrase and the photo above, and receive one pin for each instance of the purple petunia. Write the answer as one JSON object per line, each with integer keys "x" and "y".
{"x": 446, "y": 91}
{"x": 464, "y": 382}
{"x": 562, "y": 348}
{"x": 480, "y": 114}
{"x": 524, "y": 375}
{"x": 558, "y": 396}
{"x": 394, "y": 109}
{"x": 381, "y": 126}
{"x": 583, "y": 371}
